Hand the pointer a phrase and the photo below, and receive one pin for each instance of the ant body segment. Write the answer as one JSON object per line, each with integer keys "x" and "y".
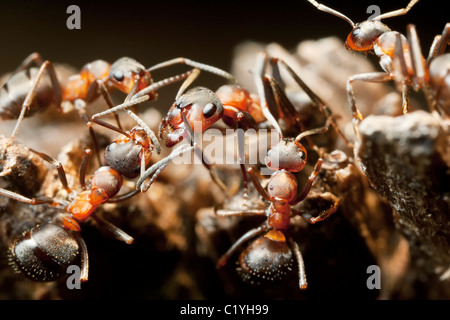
{"x": 44, "y": 252}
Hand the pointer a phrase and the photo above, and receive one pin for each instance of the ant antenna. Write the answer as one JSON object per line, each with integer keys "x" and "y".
{"x": 326, "y": 9}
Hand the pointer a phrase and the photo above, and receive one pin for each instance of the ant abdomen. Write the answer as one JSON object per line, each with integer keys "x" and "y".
{"x": 44, "y": 252}
{"x": 265, "y": 259}
{"x": 13, "y": 93}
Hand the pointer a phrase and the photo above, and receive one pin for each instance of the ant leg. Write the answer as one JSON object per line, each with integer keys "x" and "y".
{"x": 261, "y": 65}
{"x": 240, "y": 213}
{"x": 82, "y": 171}
{"x": 303, "y": 284}
{"x": 32, "y": 201}
{"x": 139, "y": 121}
{"x": 58, "y": 166}
{"x": 416, "y": 54}
{"x": 308, "y": 185}
{"x": 118, "y": 233}
{"x": 155, "y": 170}
{"x": 81, "y": 107}
{"x": 142, "y": 96}
{"x": 84, "y": 259}
{"x": 244, "y": 121}
{"x": 400, "y": 61}
{"x": 93, "y": 91}
{"x": 308, "y": 133}
{"x": 46, "y": 66}
{"x": 377, "y": 77}
{"x": 123, "y": 197}
{"x": 244, "y": 238}
{"x": 319, "y": 103}
{"x": 257, "y": 184}
{"x": 439, "y": 44}
{"x": 200, "y": 154}
{"x": 286, "y": 107}
{"x": 28, "y": 61}
{"x": 198, "y": 65}
{"x": 324, "y": 214}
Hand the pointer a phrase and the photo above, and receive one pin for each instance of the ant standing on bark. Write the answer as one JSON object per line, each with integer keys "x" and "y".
{"x": 401, "y": 59}
{"x": 270, "y": 256}
{"x": 44, "y": 252}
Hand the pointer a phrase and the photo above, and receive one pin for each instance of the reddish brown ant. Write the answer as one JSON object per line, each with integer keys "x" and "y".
{"x": 271, "y": 254}
{"x": 44, "y": 252}
{"x": 22, "y": 91}
{"x": 400, "y": 58}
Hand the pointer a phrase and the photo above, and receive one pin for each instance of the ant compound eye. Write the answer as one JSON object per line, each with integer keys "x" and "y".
{"x": 353, "y": 40}
{"x": 118, "y": 75}
{"x": 209, "y": 110}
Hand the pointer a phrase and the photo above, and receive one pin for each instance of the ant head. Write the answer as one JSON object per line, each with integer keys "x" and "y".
{"x": 364, "y": 35}
{"x": 287, "y": 154}
{"x": 265, "y": 258}
{"x": 126, "y": 73}
{"x": 44, "y": 252}
{"x": 125, "y": 153}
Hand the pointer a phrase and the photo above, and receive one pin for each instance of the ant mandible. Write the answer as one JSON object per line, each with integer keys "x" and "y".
{"x": 44, "y": 252}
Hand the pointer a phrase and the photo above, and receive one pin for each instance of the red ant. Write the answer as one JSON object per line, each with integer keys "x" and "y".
{"x": 400, "y": 58}
{"x": 236, "y": 106}
{"x": 22, "y": 92}
{"x": 44, "y": 252}
{"x": 270, "y": 255}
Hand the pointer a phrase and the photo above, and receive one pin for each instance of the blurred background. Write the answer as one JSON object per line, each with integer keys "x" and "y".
{"x": 207, "y": 31}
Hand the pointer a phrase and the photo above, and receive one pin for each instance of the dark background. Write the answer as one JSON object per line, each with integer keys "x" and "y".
{"x": 207, "y": 31}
